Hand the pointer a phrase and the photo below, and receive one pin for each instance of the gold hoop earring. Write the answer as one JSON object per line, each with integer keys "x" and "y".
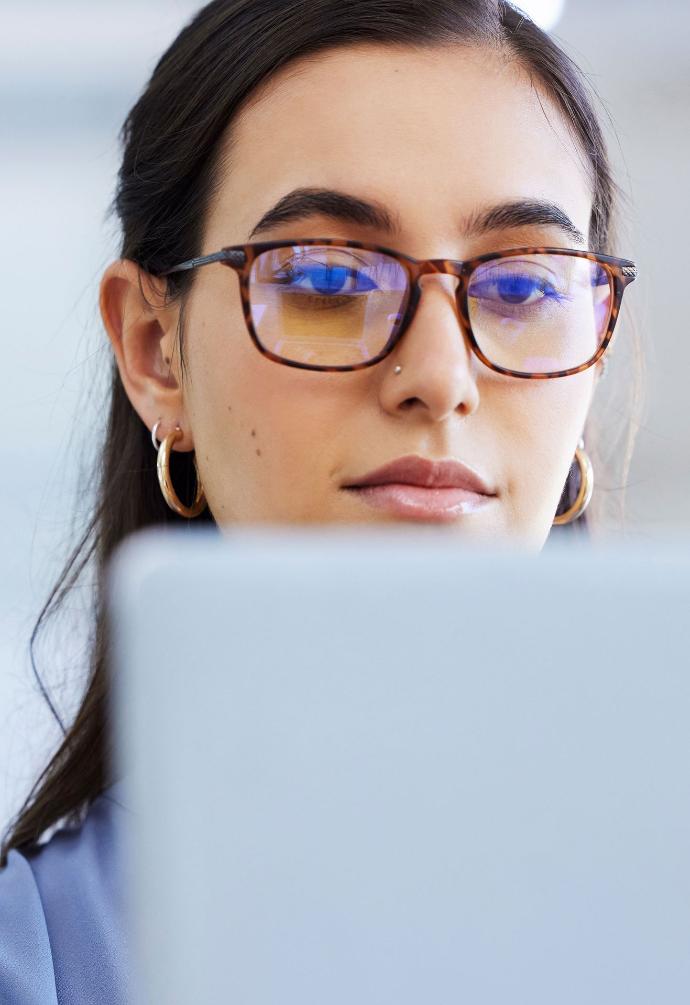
{"x": 584, "y": 493}
{"x": 164, "y": 480}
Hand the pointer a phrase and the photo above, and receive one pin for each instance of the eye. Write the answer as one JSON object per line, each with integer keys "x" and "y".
{"x": 511, "y": 287}
{"x": 325, "y": 278}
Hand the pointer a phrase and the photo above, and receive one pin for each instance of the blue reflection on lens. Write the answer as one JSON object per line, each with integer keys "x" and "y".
{"x": 329, "y": 279}
{"x": 513, "y": 288}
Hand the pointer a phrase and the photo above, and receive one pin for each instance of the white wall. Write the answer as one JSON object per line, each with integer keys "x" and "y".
{"x": 68, "y": 73}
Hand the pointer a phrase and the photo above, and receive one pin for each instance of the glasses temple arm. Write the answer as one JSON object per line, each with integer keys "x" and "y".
{"x": 229, "y": 255}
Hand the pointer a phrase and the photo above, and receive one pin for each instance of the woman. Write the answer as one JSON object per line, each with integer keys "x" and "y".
{"x": 383, "y": 176}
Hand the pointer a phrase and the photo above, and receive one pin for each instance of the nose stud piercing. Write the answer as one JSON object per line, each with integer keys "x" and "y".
{"x": 398, "y": 369}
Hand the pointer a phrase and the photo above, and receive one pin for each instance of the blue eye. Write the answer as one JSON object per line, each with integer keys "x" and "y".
{"x": 517, "y": 289}
{"x": 507, "y": 288}
{"x": 332, "y": 278}
{"x": 328, "y": 280}
{"x": 513, "y": 288}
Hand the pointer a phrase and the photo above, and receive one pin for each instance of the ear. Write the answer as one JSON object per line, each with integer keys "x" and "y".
{"x": 142, "y": 328}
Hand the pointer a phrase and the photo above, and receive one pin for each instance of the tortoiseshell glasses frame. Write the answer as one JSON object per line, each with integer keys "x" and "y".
{"x": 241, "y": 257}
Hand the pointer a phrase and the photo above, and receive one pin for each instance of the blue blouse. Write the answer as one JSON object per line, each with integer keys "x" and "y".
{"x": 62, "y": 931}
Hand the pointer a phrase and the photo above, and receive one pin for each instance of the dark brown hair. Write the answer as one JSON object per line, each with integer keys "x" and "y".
{"x": 171, "y": 142}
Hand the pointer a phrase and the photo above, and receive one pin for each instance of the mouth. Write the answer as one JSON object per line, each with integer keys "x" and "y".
{"x": 416, "y": 488}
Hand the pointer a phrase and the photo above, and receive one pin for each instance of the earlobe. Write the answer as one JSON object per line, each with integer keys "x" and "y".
{"x": 142, "y": 328}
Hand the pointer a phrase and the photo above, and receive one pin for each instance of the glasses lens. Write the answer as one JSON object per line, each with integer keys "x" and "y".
{"x": 326, "y": 306}
{"x": 539, "y": 313}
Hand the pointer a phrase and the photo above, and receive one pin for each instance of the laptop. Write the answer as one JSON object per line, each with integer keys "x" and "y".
{"x": 383, "y": 767}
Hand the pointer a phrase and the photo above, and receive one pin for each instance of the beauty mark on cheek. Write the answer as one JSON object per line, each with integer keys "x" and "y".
{"x": 258, "y": 452}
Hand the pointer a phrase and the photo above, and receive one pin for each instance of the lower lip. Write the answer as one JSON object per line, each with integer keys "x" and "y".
{"x": 418, "y": 503}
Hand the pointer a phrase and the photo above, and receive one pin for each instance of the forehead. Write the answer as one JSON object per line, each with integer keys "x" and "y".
{"x": 434, "y": 133}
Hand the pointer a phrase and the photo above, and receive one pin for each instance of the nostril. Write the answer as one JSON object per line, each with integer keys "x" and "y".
{"x": 409, "y": 403}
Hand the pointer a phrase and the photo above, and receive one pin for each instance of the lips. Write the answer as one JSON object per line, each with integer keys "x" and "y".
{"x": 420, "y": 489}
{"x": 426, "y": 474}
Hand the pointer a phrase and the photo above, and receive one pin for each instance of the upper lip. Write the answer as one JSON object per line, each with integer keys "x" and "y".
{"x": 414, "y": 470}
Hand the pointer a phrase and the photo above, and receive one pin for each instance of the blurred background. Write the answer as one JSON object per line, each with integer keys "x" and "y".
{"x": 69, "y": 71}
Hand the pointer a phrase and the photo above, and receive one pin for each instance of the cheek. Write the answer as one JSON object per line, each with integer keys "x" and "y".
{"x": 260, "y": 429}
{"x": 542, "y": 423}
{"x": 220, "y": 373}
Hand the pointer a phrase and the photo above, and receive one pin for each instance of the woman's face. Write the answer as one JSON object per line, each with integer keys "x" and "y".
{"x": 442, "y": 140}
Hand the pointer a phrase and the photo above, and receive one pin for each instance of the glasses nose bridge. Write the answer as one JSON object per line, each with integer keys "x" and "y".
{"x": 439, "y": 266}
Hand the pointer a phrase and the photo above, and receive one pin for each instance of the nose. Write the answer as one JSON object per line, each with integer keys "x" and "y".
{"x": 438, "y": 370}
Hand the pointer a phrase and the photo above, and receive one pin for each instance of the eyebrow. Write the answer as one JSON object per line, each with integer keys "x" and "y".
{"x": 301, "y": 203}
{"x": 523, "y": 213}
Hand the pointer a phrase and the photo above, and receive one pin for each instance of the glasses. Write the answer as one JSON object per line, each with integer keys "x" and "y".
{"x": 336, "y": 305}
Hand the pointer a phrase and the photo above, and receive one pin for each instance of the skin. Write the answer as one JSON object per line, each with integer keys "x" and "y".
{"x": 436, "y": 136}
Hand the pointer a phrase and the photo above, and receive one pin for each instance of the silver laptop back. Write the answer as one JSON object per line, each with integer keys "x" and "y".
{"x": 371, "y": 768}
